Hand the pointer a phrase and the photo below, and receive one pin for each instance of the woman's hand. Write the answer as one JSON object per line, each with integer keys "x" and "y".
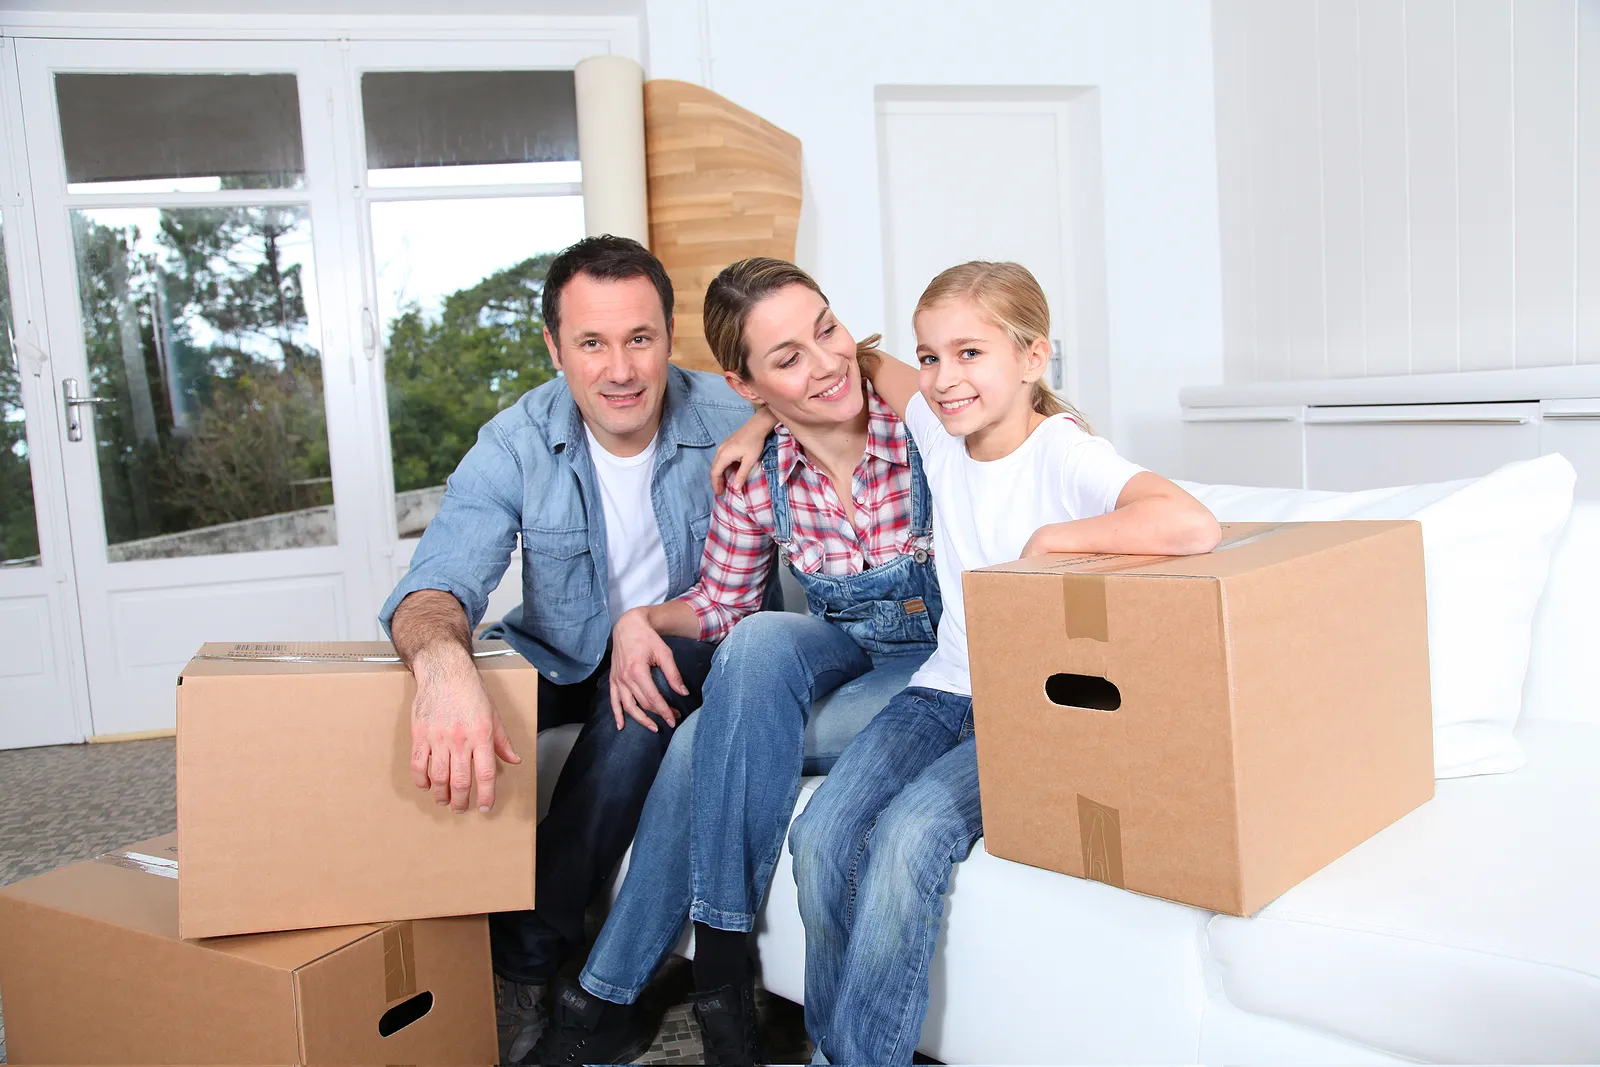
{"x": 742, "y": 450}
{"x": 636, "y": 649}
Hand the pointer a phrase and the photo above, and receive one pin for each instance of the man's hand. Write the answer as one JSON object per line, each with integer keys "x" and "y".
{"x": 636, "y": 647}
{"x": 741, "y": 451}
{"x": 456, "y": 734}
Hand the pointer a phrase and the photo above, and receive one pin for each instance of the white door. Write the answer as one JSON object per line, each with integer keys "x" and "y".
{"x": 949, "y": 194}
{"x": 189, "y": 230}
{"x": 43, "y": 700}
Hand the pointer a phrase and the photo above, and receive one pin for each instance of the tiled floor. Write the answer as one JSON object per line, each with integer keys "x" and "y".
{"x": 59, "y": 805}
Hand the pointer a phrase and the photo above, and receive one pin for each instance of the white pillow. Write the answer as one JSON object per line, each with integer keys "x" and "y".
{"x": 1487, "y": 544}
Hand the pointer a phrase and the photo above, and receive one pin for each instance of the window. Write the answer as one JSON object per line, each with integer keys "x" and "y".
{"x": 199, "y": 321}
{"x": 473, "y": 188}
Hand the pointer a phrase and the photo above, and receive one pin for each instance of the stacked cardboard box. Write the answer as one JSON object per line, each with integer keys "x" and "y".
{"x": 298, "y": 825}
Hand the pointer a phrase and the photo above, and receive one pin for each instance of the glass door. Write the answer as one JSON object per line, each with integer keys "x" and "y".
{"x": 43, "y": 698}
{"x": 190, "y": 230}
{"x": 469, "y": 184}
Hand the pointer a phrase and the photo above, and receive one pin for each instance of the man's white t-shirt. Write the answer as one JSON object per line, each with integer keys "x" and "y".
{"x": 637, "y": 563}
{"x": 984, "y": 513}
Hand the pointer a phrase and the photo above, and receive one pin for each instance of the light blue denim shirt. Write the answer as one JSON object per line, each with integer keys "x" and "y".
{"x": 531, "y": 473}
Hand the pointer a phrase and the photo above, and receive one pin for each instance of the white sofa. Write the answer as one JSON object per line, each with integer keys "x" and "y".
{"x": 1467, "y": 932}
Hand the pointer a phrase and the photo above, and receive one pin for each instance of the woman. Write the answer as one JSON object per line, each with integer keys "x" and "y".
{"x": 708, "y": 840}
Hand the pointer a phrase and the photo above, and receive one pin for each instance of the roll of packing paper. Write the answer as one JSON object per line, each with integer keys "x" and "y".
{"x": 610, "y": 96}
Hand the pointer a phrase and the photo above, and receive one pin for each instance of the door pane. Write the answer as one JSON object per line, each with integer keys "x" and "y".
{"x": 19, "y": 529}
{"x": 202, "y": 332}
{"x": 470, "y": 127}
{"x": 180, "y": 132}
{"x": 459, "y": 283}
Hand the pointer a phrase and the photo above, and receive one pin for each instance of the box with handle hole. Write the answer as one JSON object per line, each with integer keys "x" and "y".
{"x": 1209, "y": 729}
{"x": 92, "y": 971}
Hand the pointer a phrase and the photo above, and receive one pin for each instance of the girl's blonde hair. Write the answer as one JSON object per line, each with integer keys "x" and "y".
{"x": 740, "y": 287}
{"x": 1009, "y": 296}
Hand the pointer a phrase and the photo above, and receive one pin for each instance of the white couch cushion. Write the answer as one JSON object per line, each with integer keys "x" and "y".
{"x": 1564, "y": 668}
{"x": 1488, "y": 543}
{"x": 1468, "y": 932}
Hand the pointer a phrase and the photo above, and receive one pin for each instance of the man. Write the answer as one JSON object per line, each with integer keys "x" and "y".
{"x": 605, "y": 474}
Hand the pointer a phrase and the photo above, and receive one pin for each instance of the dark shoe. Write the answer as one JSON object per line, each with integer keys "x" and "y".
{"x": 586, "y": 1029}
{"x": 727, "y": 1019}
{"x": 520, "y": 1016}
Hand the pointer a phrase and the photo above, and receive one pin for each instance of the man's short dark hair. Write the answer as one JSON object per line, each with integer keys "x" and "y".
{"x": 607, "y": 258}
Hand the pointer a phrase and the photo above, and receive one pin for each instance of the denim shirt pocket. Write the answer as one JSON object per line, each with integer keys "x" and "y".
{"x": 560, "y": 566}
{"x": 699, "y": 527}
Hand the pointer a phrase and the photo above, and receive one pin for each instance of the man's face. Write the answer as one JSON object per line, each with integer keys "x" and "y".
{"x": 613, "y": 350}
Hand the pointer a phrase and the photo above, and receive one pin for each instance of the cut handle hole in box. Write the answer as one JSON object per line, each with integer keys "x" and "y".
{"x": 1083, "y": 691}
{"x": 404, "y": 1014}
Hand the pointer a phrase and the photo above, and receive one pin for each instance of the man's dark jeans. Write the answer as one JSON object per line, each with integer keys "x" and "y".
{"x": 593, "y": 813}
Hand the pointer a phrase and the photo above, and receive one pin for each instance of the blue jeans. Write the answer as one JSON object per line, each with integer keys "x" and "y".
{"x": 785, "y": 696}
{"x": 593, "y": 811}
{"x": 873, "y": 853}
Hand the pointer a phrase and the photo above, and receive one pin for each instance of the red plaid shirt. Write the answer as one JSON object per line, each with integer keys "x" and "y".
{"x": 738, "y": 555}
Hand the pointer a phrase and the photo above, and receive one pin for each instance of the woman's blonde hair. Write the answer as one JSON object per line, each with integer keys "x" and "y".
{"x": 740, "y": 287}
{"x": 1009, "y": 296}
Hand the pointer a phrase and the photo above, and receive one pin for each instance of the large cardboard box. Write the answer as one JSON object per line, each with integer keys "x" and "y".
{"x": 296, "y": 806}
{"x": 1209, "y": 729}
{"x": 92, "y": 971}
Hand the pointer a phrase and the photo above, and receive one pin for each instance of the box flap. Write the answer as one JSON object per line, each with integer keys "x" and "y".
{"x": 244, "y": 658}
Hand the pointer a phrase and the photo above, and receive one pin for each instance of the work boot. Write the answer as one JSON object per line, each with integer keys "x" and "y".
{"x": 727, "y": 1019}
{"x": 520, "y": 1016}
{"x": 587, "y": 1029}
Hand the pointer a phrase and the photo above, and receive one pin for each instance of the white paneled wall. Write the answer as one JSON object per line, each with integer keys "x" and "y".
{"x": 1407, "y": 186}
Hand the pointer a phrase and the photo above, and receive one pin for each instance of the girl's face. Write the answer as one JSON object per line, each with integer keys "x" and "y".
{"x": 972, "y": 375}
{"x": 802, "y": 360}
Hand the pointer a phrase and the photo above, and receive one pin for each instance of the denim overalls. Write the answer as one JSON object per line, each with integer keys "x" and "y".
{"x": 890, "y": 609}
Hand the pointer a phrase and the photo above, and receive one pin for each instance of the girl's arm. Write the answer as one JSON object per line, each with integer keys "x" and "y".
{"x": 1153, "y": 517}
{"x": 895, "y": 381}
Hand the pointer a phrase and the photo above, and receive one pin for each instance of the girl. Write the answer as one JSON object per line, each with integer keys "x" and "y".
{"x": 838, "y": 491}
{"x": 1014, "y": 473}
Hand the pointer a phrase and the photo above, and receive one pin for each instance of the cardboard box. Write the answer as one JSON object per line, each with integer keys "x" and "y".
{"x": 1209, "y": 729}
{"x": 92, "y": 971}
{"x": 296, "y": 806}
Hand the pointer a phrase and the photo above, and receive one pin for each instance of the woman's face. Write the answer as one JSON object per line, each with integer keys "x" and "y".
{"x": 802, "y": 360}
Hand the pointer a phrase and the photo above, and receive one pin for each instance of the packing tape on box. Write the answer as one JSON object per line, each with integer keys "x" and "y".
{"x": 163, "y": 866}
{"x": 263, "y": 656}
{"x": 1239, "y": 540}
{"x": 399, "y": 962}
{"x": 1084, "y": 597}
{"x": 1100, "y": 832}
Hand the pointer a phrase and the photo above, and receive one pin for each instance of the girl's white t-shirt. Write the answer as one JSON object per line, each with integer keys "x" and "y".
{"x": 984, "y": 513}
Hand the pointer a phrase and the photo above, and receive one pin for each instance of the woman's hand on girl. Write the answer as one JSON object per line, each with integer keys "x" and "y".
{"x": 742, "y": 450}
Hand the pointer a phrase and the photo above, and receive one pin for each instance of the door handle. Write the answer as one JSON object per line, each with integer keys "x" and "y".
{"x": 72, "y": 402}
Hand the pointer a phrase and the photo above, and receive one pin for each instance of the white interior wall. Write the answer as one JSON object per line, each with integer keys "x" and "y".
{"x": 1408, "y": 186}
{"x": 812, "y": 70}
